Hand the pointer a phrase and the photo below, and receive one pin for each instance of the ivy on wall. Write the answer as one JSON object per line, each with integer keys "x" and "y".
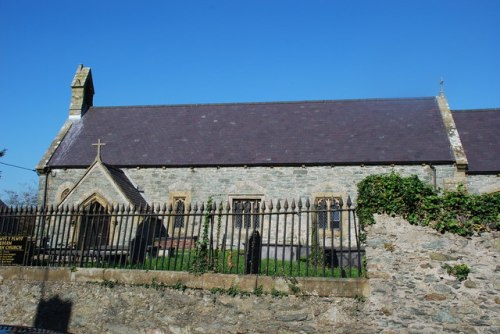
{"x": 201, "y": 260}
{"x": 456, "y": 212}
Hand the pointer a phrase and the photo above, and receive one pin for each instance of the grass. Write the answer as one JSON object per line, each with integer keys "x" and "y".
{"x": 183, "y": 260}
{"x": 268, "y": 267}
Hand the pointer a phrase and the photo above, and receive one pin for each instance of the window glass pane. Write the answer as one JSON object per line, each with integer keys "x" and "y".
{"x": 322, "y": 214}
{"x": 246, "y": 211}
{"x": 335, "y": 223}
{"x": 179, "y": 213}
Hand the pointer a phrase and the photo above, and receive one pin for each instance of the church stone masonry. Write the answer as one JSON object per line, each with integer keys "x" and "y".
{"x": 261, "y": 151}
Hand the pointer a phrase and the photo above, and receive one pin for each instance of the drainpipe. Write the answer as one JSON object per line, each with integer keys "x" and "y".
{"x": 434, "y": 177}
{"x": 47, "y": 173}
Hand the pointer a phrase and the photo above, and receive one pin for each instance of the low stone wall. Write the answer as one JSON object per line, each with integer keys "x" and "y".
{"x": 412, "y": 293}
{"x": 310, "y": 286}
{"x": 409, "y": 292}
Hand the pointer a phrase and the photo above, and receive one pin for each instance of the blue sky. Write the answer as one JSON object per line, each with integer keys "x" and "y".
{"x": 168, "y": 52}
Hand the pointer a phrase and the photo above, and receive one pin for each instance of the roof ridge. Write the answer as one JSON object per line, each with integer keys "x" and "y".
{"x": 262, "y": 103}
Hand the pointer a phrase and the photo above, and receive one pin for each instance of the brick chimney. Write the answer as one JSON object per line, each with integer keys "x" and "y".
{"x": 82, "y": 92}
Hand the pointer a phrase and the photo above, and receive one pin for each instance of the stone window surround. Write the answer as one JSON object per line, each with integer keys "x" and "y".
{"x": 344, "y": 217}
{"x": 232, "y": 197}
{"x": 245, "y": 221}
{"x": 173, "y": 197}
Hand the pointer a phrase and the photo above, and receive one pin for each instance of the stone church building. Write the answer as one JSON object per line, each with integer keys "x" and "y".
{"x": 255, "y": 152}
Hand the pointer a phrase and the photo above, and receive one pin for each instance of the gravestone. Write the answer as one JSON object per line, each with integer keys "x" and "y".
{"x": 149, "y": 229}
{"x": 253, "y": 253}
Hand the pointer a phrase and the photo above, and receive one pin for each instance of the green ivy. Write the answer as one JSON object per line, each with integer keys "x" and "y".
{"x": 455, "y": 212}
{"x": 317, "y": 256}
{"x": 201, "y": 261}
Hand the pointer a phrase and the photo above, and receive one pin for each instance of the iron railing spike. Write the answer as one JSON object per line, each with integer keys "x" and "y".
{"x": 256, "y": 208}
{"x": 349, "y": 202}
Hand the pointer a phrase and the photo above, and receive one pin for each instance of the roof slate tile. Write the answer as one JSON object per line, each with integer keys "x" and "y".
{"x": 277, "y": 133}
{"x": 480, "y": 135}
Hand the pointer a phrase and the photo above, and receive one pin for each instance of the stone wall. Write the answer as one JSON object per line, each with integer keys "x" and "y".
{"x": 160, "y": 185}
{"x": 410, "y": 292}
{"x": 479, "y": 184}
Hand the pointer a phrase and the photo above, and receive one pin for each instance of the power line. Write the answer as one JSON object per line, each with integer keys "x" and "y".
{"x": 20, "y": 167}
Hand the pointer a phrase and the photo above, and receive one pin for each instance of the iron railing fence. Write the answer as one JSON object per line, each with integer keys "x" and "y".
{"x": 273, "y": 238}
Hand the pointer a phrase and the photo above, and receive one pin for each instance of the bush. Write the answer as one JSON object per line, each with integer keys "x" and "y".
{"x": 455, "y": 212}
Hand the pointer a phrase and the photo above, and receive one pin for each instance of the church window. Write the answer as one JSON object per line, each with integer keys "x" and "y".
{"x": 246, "y": 212}
{"x": 179, "y": 207}
{"x": 328, "y": 208}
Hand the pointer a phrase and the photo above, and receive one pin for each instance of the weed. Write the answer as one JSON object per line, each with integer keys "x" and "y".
{"x": 179, "y": 286}
{"x": 233, "y": 291}
{"x": 216, "y": 291}
{"x": 460, "y": 271}
{"x": 277, "y": 293}
{"x": 108, "y": 284}
{"x": 360, "y": 298}
{"x": 294, "y": 288}
{"x": 258, "y": 291}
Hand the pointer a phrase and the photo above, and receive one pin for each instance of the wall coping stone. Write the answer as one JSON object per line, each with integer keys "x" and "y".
{"x": 314, "y": 286}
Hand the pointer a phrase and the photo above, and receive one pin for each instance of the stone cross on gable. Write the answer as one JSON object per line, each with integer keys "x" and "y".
{"x": 98, "y": 144}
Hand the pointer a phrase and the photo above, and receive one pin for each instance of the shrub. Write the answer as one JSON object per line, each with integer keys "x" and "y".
{"x": 454, "y": 211}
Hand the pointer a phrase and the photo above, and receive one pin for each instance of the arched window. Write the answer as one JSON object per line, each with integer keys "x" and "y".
{"x": 179, "y": 212}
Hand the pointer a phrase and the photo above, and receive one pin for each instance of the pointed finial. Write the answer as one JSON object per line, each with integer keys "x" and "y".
{"x": 98, "y": 144}
{"x": 441, "y": 84}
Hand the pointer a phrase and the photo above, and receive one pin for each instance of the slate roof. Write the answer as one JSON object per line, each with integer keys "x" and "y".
{"x": 479, "y": 131}
{"x": 371, "y": 131}
{"x": 128, "y": 189}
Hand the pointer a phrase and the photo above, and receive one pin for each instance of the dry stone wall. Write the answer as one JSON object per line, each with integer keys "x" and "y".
{"x": 410, "y": 293}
